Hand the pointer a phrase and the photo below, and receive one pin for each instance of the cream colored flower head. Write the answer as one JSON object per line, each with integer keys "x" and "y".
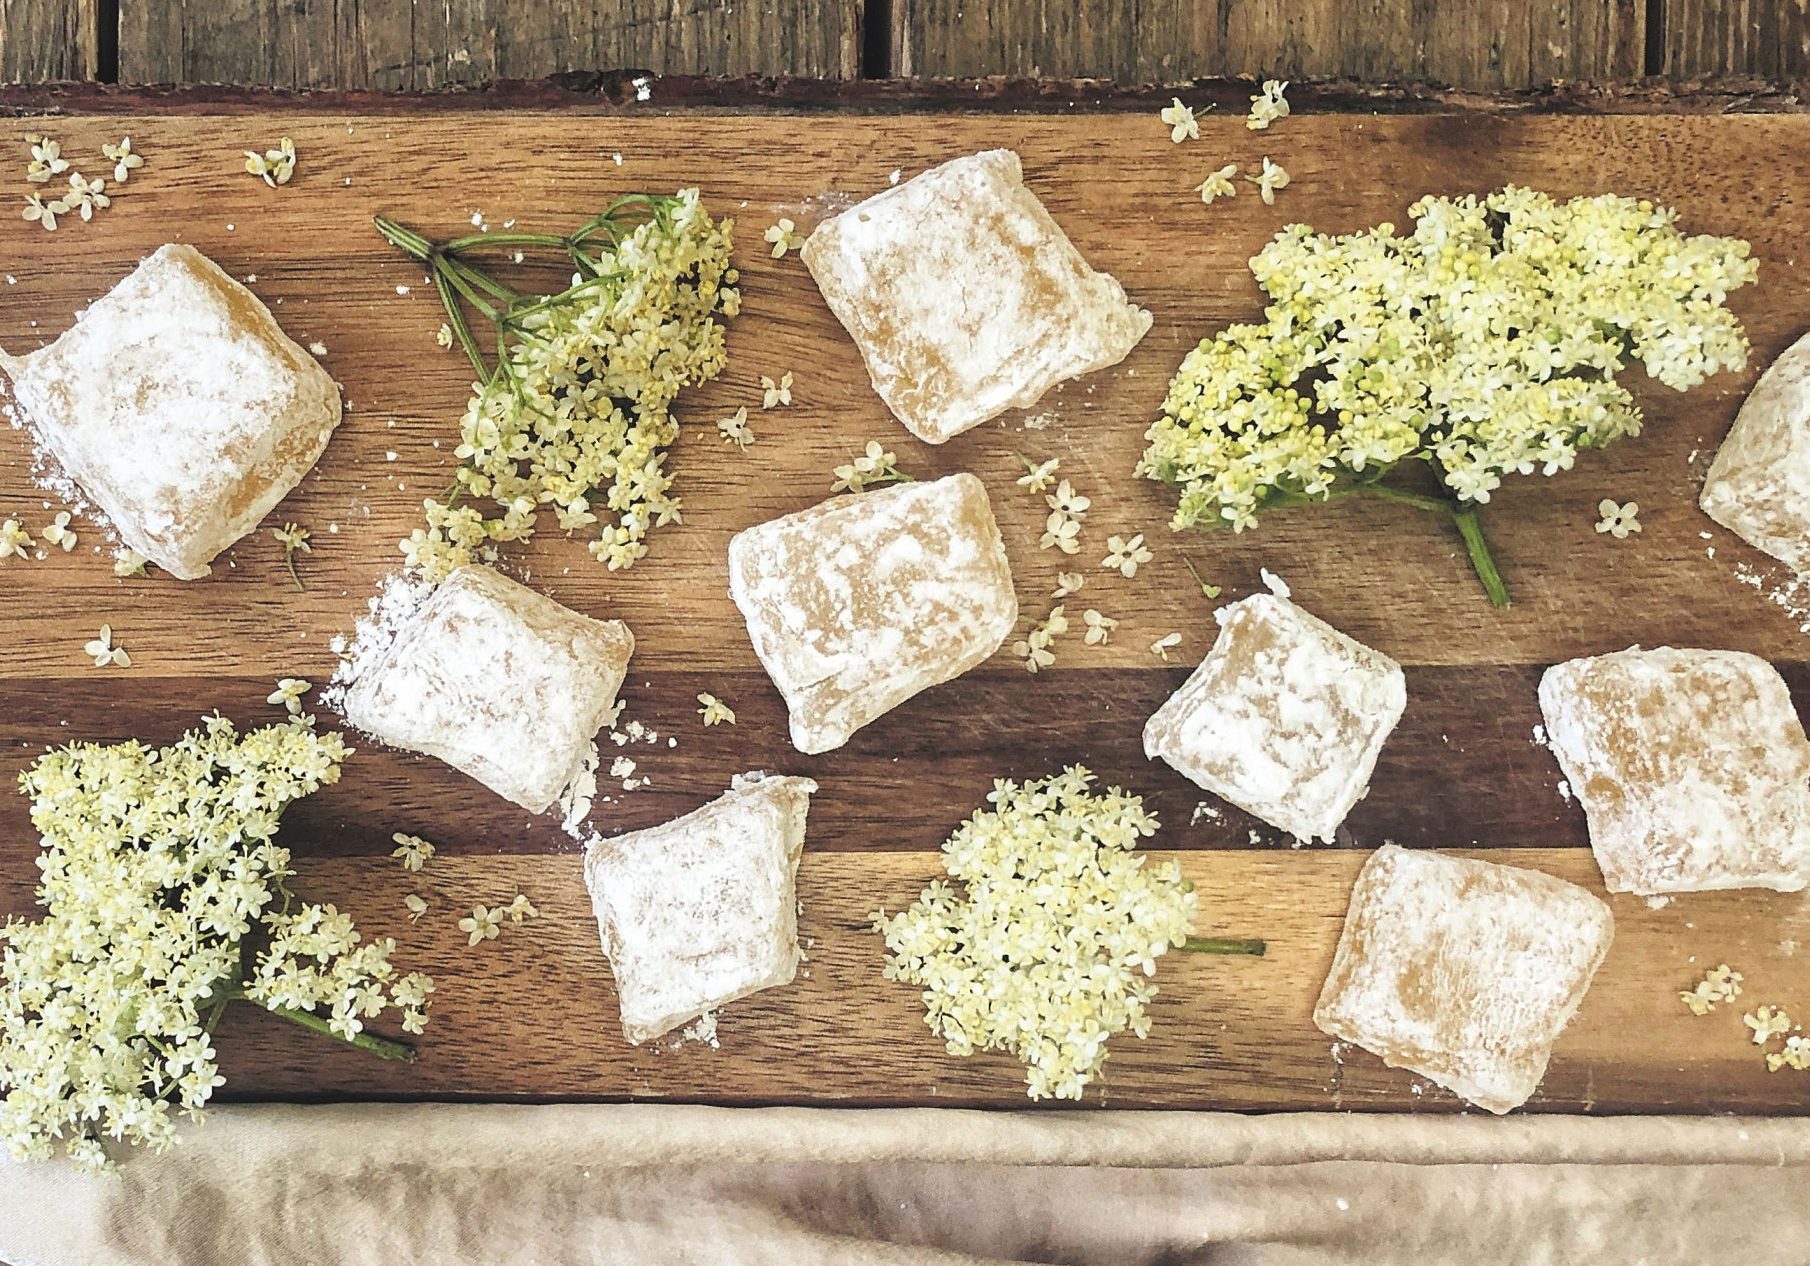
{"x": 1043, "y": 941}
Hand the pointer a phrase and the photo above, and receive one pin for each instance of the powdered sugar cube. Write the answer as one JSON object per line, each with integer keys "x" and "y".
{"x": 496, "y": 680}
{"x": 1463, "y": 971}
{"x": 179, "y": 408}
{"x": 859, "y": 603}
{"x": 1692, "y": 767}
{"x": 1284, "y": 717}
{"x": 703, "y": 910}
{"x": 965, "y": 297}
{"x": 1759, "y": 485}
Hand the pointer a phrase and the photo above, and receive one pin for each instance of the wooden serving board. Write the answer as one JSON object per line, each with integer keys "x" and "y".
{"x": 533, "y": 1014}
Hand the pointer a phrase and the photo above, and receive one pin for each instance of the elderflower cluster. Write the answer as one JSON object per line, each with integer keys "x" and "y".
{"x": 1485, "y": 343}
{"x": 157, "y": 865}
{"x": 578, "y": 417}
{"x": 1045, "y": 948}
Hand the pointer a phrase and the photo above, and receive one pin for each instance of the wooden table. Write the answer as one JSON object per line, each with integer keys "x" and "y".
{"x": 403, "y": 45}
{"x": 532, "y": 1015}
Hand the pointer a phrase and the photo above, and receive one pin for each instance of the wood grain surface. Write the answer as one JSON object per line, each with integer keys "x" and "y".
{"x": 404, "y": 46}
{"x": 44, "y": 40}
{"x": 1482, "y": 44}
{"x": 533, "y": 1014}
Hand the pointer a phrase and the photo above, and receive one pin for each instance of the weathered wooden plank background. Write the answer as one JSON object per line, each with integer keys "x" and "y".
{"x": 406, "y": 45}
{"x": 534, "y": 1013}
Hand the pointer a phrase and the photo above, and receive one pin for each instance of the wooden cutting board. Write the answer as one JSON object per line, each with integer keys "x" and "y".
{"x": 533, "y": 1014}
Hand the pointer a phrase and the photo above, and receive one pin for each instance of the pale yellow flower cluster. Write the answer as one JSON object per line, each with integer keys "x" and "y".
{"x": 1485, "y": 343}
{"x": 157, "y": 865}
{"x": 582, "y": 403}
{"x": 1045, "y": 949}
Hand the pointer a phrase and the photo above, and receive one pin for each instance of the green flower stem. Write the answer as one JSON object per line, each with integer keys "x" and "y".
{"x": 1470, "y": 527}
{"x": 1225, "y": 945}
{"x": 381, "y": 1047}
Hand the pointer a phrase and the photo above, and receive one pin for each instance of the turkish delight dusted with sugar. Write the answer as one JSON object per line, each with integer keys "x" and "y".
{"x": 702, "y": 910}
{"x": 1284, "y": 717}
{"x": 178, "y": 408}
{"x": 1759, "y": 485}
{"x": 1463, "y": 971}
{"x": 1692, "y": 767}
{"x": 965, "y": 298}
{"x": 498, "y": 681}
{"x": 859, "y": 603}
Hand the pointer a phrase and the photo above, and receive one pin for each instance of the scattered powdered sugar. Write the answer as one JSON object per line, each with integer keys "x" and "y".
{"x": 575, "y": 802}
{"x": 397, "y": 599}
{"x": 702, "y": 1029}
{"x": 1790, "y": 594}
{"x": 1204, "y": 810}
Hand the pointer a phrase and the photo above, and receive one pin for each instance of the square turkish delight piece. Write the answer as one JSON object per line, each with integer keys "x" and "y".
{"x": 1284, "y": 717}
{"x": 703, "y": 910}
{"x": 965, "y": 297}
{"x": 859, "y": 603}
{"x": 1692, "y": 767}
{"x": 179, "y": 408}
{"x": 1465, "y": 972}
{"x": 1759, "y": 485}
{"x": 496, "y": 680}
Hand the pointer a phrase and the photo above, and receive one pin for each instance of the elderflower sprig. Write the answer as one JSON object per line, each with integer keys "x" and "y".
{"x": 293, "y": 538}
{"x": 870, "y": 469}
{"x": 160, "y": 874}
{"x": 576, "y": 413}
{"x": 1043, "y": 945}
{"x": 1486, "y": 342}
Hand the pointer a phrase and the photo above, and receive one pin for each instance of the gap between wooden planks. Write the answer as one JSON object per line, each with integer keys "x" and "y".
{"x": 534, "y": 1017}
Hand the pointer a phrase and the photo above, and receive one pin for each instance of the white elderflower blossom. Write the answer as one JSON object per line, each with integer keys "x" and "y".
{"x": 1619, "y": 521}
{"x": 288, "y": 694}
{"x": 1038, "y": 475}
{"x": 158, "y": 872}
{"x": 1068, "y": 582}
{"x": 735, "y": 429}
{"x": 775, "y": 394}
{"x": 1183, "y": 126}
{"x": 483, "y": 924}
{"x": 1268, "y": 106}
{"x": 783, "y": 236}
{"x": 578, "y": 417}
{"x": 1218, "y": 185}
{"x": 1767, "y": 1023}
{"x": 1035, "y": 650}
{"x": 105, "y": 651}
{"x": 1099, "y": 627}
{"x": 1796, "y": 1055}
{"x": 715, "y": 711}
{"x": 15, "y": 540}
{"x": 411, "y": 850}
{"x": 58, "y": 532}
{"x": 873, "y": 467}
{"x": 274, "y": 166}
{"x": 1044, "y": 943}
{"x": 1125, "y": 557}
{"x": 129, "y": 562}
{"x": 1164, "y": 644}
{"x": 1271, "y": 178}
{"x": 125, "y": 162}
{"x": 1483, "y": 343}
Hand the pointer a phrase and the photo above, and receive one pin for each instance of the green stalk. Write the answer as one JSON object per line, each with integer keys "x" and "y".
{"x": 1471, "y": 529}
{"x": 381, "y": 1047}
{"x": 1249, "y": 945}
{"x": 1464, "y": 517}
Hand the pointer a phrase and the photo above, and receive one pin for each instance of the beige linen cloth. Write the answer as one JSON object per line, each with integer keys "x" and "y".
{"x": 651, "y": 1185}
